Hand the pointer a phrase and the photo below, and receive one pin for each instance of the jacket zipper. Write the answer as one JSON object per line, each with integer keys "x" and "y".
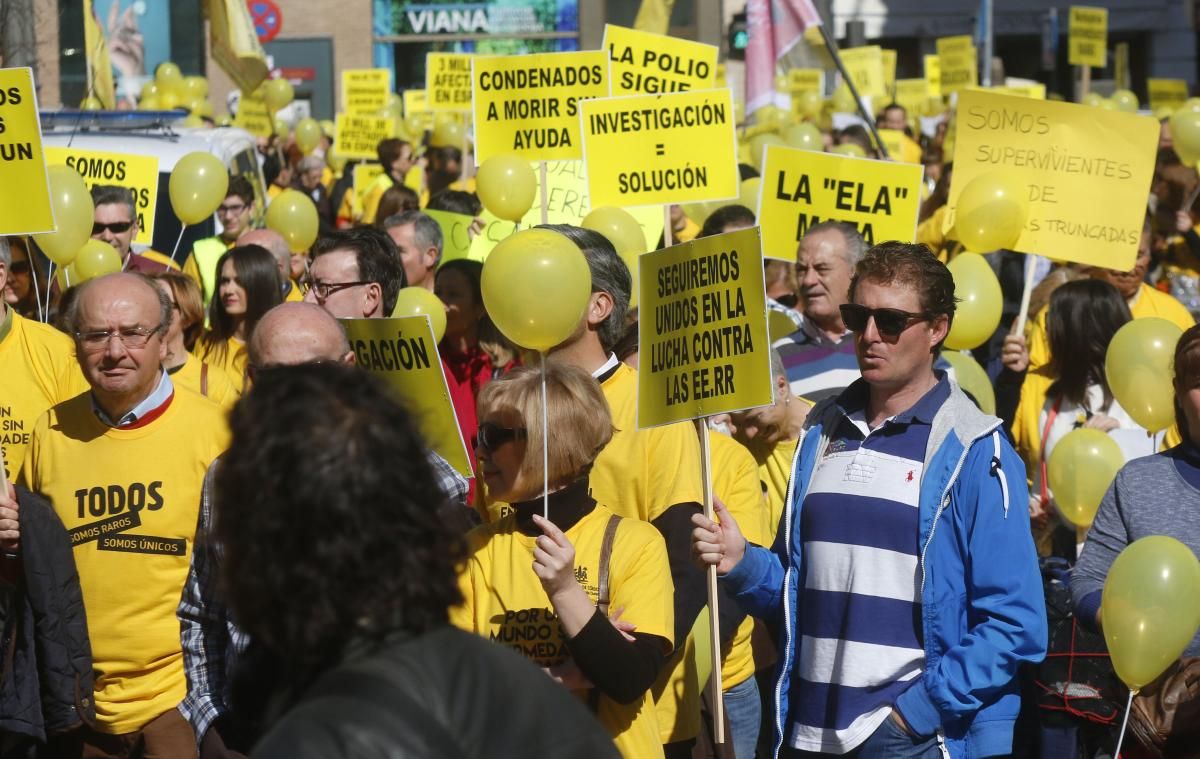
{"x": 787, "y": 615}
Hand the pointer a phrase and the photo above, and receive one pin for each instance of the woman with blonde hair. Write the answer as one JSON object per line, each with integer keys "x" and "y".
{"x": 187, "y": 324}
{"x": 546, "y": 586}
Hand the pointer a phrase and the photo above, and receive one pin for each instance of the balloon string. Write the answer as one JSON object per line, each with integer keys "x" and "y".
{"x": 545, "y": 446}
{"x": 49, "y": 282}
{"x": 1124, "y": 724}
{"x": 37, "y": 293}
{"x": 178, "y": 240}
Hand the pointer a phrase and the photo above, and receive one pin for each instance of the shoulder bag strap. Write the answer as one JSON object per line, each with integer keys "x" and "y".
{"x": 610, "y": 534}
{"x": 204, "y": 378}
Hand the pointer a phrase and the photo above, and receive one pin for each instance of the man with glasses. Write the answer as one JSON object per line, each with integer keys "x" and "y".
{"x": 908, "y": 594}
{"x": 355, "y": 274}
{"x": 123, "y": 466}
{"x": 236, "y": 216}
{"x": 116, "y": 223}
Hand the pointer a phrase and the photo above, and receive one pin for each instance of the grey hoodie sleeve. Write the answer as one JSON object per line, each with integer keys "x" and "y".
{"x": 1106, "y": 539}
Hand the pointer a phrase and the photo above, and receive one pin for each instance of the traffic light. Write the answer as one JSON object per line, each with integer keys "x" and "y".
{"x": 739, "y": 35}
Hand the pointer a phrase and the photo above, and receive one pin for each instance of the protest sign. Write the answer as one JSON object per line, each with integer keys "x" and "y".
{"x": 900, "y": 147}
{"x": 658, "y": 149}
{"x": 1087, "y": 36}
{"x": 136, "y": 172}
{"x": 415, "y": 101}
{"x": 957, "y": 63}
{"x": 806, "y": 80}
{"x": 1167, "y": 93}
{"x": 253, "y": 116}
{"x": 702, "y": 335}
{"x": 359, "y": 136}
{"x": 404, "y": 353}
{"x": 448, "y": 81}
{"x": 567, "y": 202}
{"x": 889, "y": 73}
{"x": 911, "y": 93}
{"x": 865, "y": 67}
{"x": 528, "y": 105}
{"x": 365, "y": 91}
{"x": 24, "y": 186}
{"x": 933, "y": 75}
{"x": 646, "y": 63}
{"x": 801, "y": 188}
{"x": 456, "y": 233}
{"x": 365, "y": 175}
{"x": 1086, "y": 171}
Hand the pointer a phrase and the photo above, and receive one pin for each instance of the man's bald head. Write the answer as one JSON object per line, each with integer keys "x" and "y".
{"x": 298, "y": 333}
{"x": 275, "y": 244}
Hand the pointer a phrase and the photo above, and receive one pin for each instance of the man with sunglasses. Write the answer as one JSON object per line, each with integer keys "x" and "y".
{"x": 123, "y": 466}
{"x": 908, "y": 594}
{"x": 116, "y": 223}
{"x": 236, "y": 216}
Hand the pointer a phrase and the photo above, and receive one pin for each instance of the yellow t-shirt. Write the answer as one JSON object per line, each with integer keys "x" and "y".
{"x": 221, "y": 388}
{"x": 294, "y": 295}
{"x": 504, "y": 601}
{"x": 350, "y": 210}
{"x": 735, "y": 482}
{"x": 37, "y": 370}
{"x": 274, "y": 191}
{"x": 774, "y": 472}
{"x": 372, "y": 196}
{"x": 131, "y": 515}
{"x": 233, "y": 362}
{"x": 1148, "y": 303}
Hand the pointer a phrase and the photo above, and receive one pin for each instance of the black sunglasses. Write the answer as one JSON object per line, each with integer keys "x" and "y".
{"x": 492, "y": 436}
{"x": 889, "y": 321}
{"x": 117, "y": 227}
{"x": 19, "y": 267}
{"x": 788, "y": 300}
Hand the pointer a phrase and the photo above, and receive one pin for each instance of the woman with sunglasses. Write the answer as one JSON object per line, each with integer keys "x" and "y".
{"x": 1071, "y": 392}
{"x": 547, "y": 587}
{"x": 247, "y": 287}
{"x": 19, "y": 291}
{"x": 187, "y": 322}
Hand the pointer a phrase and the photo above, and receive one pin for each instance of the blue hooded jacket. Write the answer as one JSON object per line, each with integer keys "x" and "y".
{"x": 983, "y": 612}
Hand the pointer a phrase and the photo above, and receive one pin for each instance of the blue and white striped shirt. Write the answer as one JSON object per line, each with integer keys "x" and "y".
{"x": 861, "y": 642}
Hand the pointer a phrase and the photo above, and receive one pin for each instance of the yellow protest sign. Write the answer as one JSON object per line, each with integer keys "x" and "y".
{"x": 567, "y": 202}
{"x": 1035, "y": 91}
{"x": 415, "y": 101}
{"x": 135, "y": 171}
{"x": 358, "y": 136}
{"x": 528, "y": 105}
{"x": 806, "y": 80}
{"x": 1167, "y": 93}
{"x": 448, "y": 81}
{"x": 958, "y": 63}
{"x": 365, "y": 91}
{"x": 1121, "y": 65}
{"x": 865, "y": 67}
{"x": 900, "y": 146}
{"x": 933, "y": 75}
{"x": 252, "y": 115}
{"x": 24, "y": 187}
{"x": 702, "y": 336}
{"x": 657, "y": 149}
{"x": 911, "y": 93}
{"x": 456, "y": 233}
{"x": 646, "y": 63}
{"x": 1087, "y": 36}
{"x": 365, "y": 175}
{"x": 889, "y": 73}
{"x": 801, "y": 188}
{"x": 404, "y": 353}
{"x": 1086, "y": 171}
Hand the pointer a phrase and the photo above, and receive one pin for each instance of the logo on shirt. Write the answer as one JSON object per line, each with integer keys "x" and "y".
{"x": 909, "y": 478}
{"x": 581, "y": 575}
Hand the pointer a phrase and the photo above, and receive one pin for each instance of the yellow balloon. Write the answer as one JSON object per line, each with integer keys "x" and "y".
{"x": 73, "y": 215}
{"x": 91, "y": 104}
{"x": 195, "y": 87}
{"x": 804, "y": 136}
{"x": 293, "y": 215}
{"x": 698, "y": 212}
{"x": 1079, "y": 471}
{"x": 195, "y": 105}
{"x": 1106, "y": 105}
{"x": 168, "y": 99}
{"x": 1191, "y": 104}
{"x": 281, "y": 126}
{"x": 1126, "y": 101}
{"x": 980, "y": 302}
{"x": 1185, "y": 134}
{"x": 308, "y": 135}
{"x": 850, "y": 149}
{"x": 335, "y": 161}
{"x": 807, "y": 103}
{"x": 1092, "y": 99}
{"x": 1139, "y": 366}
{"x": 447, "y": 134}
{"x": 972, "y": 379}
{"x": 536, "y": 287}
{"x": 417, "y": 301}
{"x": 168, "y": 72}
{"x": 150, "y": 103}
{"x": 95, "y": 259}
{"x": 758, "y": 144}
{"x": 205, "y": 108}
{"x": 843, "y": 101}
{"x": 225, "y": 120}
{"x": 277, "y": 93}
{"x": 193, "y": 121}
{"x": 150, "y": 88}
{"x": 414, "y": 126}
{"x": 1148, "y": 608}
{"x": 66, "y": 276}
{"x": 748, "y": 194}
{"x": 197, "y": 186}
{"x": 991, "y": 213}
{"x": 620, "y": 228}
{"x": 327, "y": 127}
{"x": 506, "y": 186}
{"x": 770, "y": 116}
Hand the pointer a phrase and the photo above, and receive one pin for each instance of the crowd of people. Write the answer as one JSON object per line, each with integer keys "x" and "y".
{"x": 221, "y": 538}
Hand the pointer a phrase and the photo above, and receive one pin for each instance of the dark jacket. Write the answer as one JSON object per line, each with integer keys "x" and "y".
{"x": 46, "y": 670}
{"x": 446, "y": 693}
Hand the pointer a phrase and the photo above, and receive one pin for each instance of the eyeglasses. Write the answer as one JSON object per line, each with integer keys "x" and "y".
{"x": 324, "y": 289}
{"x": 116, "y": 227}
{"x": 492, "y": 436}
{"x": 788, "y": 300}
{"x": 19, "y": 267}
{"x": 231, "y": 210}
{"x": 889, "y": 321}
{"x": 133, "y": 338}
